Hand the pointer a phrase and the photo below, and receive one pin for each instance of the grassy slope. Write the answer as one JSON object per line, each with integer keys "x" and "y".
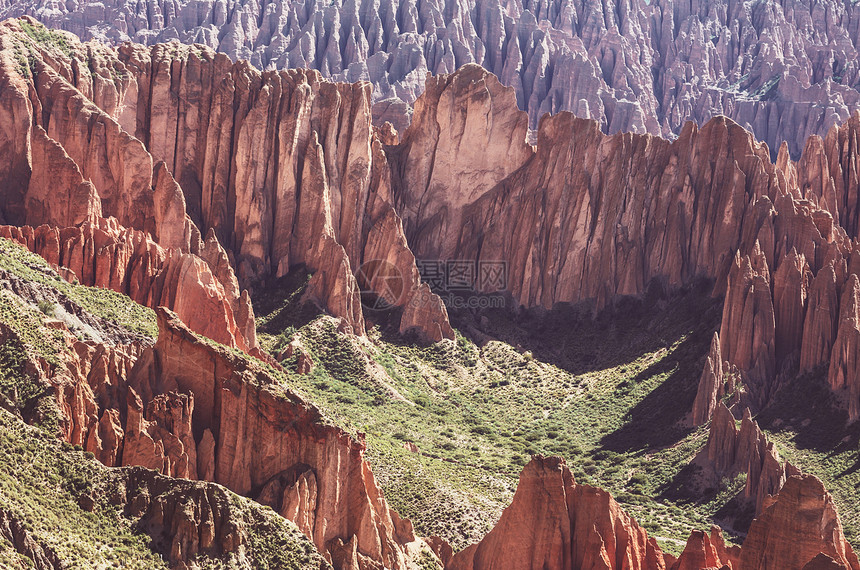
{"x": 103, "y": 303}
{"x": 42, "y": 479}
{"x": 607, "y": 394}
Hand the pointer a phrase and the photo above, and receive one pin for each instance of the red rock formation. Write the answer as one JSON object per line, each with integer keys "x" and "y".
{"x": 747, "y": 330}
{"x": 790, "y": 289}
{"x": 731, "y": 451}
{"x": 14, "y": 531}
{"x": 701, "y": 552}
{"x": 188, "y": 408}
{"x": 466, "y": 136}
{"x": 296, "y": 458}
{"x": 161, "y": 439}
{"x": 819, "y": 327}
{"x": 797, "y": 525}
{"x": 103, "y": 254}
{"x": 844, "y": 374}
{"x": 284, "y": 168}
{"x": 711, "y": 385}
{"x": 555, "y": 524}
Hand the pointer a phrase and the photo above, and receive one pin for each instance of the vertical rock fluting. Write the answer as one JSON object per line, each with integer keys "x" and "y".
{"x": 731, "y": 450}
{"x": 590, "y": 217}
{"x": 189, "y": 409}
{"x": 282, "y": 168}
{"x": 748, "y": 326}
{"x": 712, "y": 385}
{"x": 554, "y": 523}
{"x": 285, "y": 168}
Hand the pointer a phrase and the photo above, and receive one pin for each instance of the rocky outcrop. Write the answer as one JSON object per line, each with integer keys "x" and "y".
{"x": 193, "y": 524}
{"x": 186, "y": 408}
{"x": 796, "y": 526}
{"x": 297, "y": 462}
{"x": 557, "y": 524}
{"x": 102, "y": 253}
{"x": 732, "y": 450}
{"x": 712, "y": 386}
{"x": 16, "y": 535}
{"x": 785, "y": 70}
{"x": 707, "y": 551}
{"x": 748, "y": 327}
{"x": 282, "y": 168}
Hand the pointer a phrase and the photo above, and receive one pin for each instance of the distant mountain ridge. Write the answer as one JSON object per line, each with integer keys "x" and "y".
{"x": 784, "y": 70}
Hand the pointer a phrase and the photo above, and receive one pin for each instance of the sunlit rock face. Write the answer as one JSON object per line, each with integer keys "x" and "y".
{"x": 784, "y": 70}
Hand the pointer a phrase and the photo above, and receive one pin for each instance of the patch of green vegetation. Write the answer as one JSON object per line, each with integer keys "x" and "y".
{"x": 449, "y": 426}
{"x": 41, "y": 481}
{"x": 46, "y": 37}
{"x": 44, "y": 484}
{"x": 25, "y": 339}
{"x": 103, "y": 303}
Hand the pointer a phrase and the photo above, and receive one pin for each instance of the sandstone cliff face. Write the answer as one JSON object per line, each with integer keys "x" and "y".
{"x": 572, "y": 220}
{"x": 795, "y": 527}
{"x": 283, "y": 169}
{"x": 591, "y": 217}
{"x": 556, "y": 524}
{"x": 732, "y": 450}
{"x": 783, "y": 70}
{"x": 188, "y": 409}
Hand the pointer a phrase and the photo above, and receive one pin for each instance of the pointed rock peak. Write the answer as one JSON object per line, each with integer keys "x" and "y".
{"x": 780, "y": 538}
{"x": 711, "y": 384}
{"x": 758, "y": 261}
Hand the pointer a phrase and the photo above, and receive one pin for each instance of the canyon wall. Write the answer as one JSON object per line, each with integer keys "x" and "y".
{"x": 281, "y": 168}
{"x": 190, "y": 409}
{"x": 584, "y": 216}
{"x": 556, "y": 524}
{"x": 785, "y": 70}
